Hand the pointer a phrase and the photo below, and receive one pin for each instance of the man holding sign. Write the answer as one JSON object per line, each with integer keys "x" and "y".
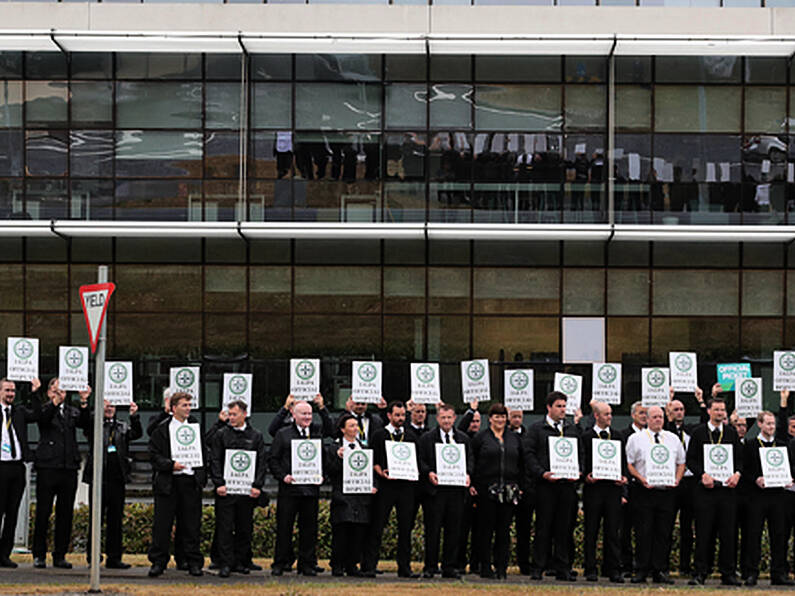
{"x": 767, "y": 502}
{"x": 176, "y": 450}
{"x": 656, "y": 459}
{"x": 445, "y": 466}
{"x": 237, "y": 469}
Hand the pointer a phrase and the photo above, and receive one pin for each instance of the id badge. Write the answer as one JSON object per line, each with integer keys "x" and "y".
{"x": 111, "y": 448}
{"x": 6, "y": 447}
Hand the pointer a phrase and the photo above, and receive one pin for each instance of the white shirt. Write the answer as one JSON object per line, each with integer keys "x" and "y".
{"x": 172, "y": 427}
{"x": 554, "y": 424}
{"x": 365, "y": 425}
{"x": 303, "y": 431}
{"x": 442, "y": 435}
{"x": 636, "y": 429}
{"x": 598, "y": 430}
{"x": 240, "y": 429}
{"x": 639, "y": 445}
{"x": 392, "y": 430}
{"x": 712, "y": 428}
{"x": 8, "y": 429}
{"x": 347, "y": 444}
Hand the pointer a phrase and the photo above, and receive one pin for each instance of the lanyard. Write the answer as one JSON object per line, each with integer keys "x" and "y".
{"x": 651, "y": 439}
{"x": 720, "y": 437}
{"x": 762, "y": 445}
{"x": 8, "y": 419}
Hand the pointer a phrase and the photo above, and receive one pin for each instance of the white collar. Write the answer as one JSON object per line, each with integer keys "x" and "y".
{"x": 711, "y": 428}
{"x": 636, "y": 428}
{"x": 241, "y": 429}
{"x": 764, "y": 438}
{"x": 598, "y": 430}
{"x": 391, "y": 429}
{"x": 552, "y": 423}
{"x": 449, "y": 432}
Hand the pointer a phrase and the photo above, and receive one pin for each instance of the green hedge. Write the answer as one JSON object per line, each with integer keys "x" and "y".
{"x": 138, "y": 527}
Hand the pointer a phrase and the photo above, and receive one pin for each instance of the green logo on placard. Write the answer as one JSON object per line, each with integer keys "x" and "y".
{"x": 240, "y": 461}
{"x": 450, "y": 454}
{"x": 425, "y": 373}
{"x": 23, "y": 349}
{"x": 683, "y": 362}
{"x": 607, "y": 373}
{"x": 475, "y": 371}
{"x": 307, "y": 451}
{"x": 185, "y": 378}
{"x": 401, "y": 451}
{"x": 519, "y": 380}
{"x": 367, "y": 372}
{"x": 787, "y": 361}
{"x": 305, "y": 369}
{"x": 358, "y": 460}
{"x": 748, "y": 388}
{"x": 563, "y": 448}
{"x": 185, "y": 435}
{"x": 719, "y": 455}
{"x": 117, "y": 373}
{"x": 606, "y": 449}
{"x": 774, "y": 457}
{"x": 238, "y": 384}
{"x": 568, "y": 384}
{"x": 660, "y": 454}
{"x": 655, "y": 377}
{"x": 73, "y": 358}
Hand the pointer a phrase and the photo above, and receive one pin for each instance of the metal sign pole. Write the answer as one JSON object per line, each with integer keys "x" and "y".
{"x": 96, "y": 480}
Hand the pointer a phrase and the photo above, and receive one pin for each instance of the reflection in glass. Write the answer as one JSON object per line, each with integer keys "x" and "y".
{"x": 405, "y": 156}
{"x": 10, "y": 104}
{"x": 520, "y": 69}
{"x": 221, "y": 154}
{"x": 46, "y": 153}
{"x": 698, "y": 69}
{"x": 142, "y": 153}
{"x": 405, "y": 106}
{"x": 633, "y": 164}
{"x": 47, "y": 199}
{"x": 158, "y": 105}
{"x": 91, "y": 153}
{"x": 91, "y": 199}
{"x": 222, "y": 105}
{"x": 271, "y": 105}
{"x": 633, "y": 107}
{"x": 11, "y": 154}
{"x": 338, "y": 67}
{"x": 91, "y": 65}
{"x": 517, "y": 107}
{"x": 159, "y": 200}
{"x": 766, "y": 109}
{"x": 584, "y": 193}
{"x": 450, "y": 170}
{"x": 679, "y": 108}
{"x": 92, "y": 103}
{"x": 451, "y": 105}
{"x": 337, "y": 289}
{"x": 45, "y": 103}
{"x": 337, "y": 106}
{"x": 404, "y": 201}
{"x": 158, "y": 65}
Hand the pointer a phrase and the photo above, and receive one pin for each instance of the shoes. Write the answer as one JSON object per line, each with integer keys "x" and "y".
{"x": 536, "y": 575}
{"x": 182, "y": 566}
{"x": 319, "y": 569}
{"x": 116, "y": 565}
{"x": 501, "y": 575}
{"x": 378, "y": 572}
{"x": 566, "y": 576}
{"x": 196, "y": 571}
{"x": 427, "y": 574}
{"x": 591, "y": 577}
{"x": 277, "y": 571}
{"x": 524, "y": 570}
{"x": 242, "y": 569}
{"x": 617, "y": 579}
{"x": 371, "y": 574}
{"x": 698, "y": 580}
{"x": 639, "y": 579}
{"x": 6, "y": 562}
{"x": 337, "y": 572}
{"x": 214, "y": 566}
{"x": 486, "y": 573}
{"x": 225, "y": 572}
{"x": 156, "y": 570}
{"x": 308, "y": 572}
{"x": 751, "y": 580}
{"x": 451, "y": 574}
{"x": 730, "y": 580}
{"x": 662, "y": 578}
{"x": 781, "y": 581}
{"x": 251, "y": 566}
{"x": 62, "y": 564}
{"x": 408, "y": 574}
{"x": 353, "y": 573}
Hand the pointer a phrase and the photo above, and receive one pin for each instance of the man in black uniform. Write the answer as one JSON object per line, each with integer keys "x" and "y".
{"x": 391, "y": 493}
{"x": 367, "y": 422}
{"x": 116, "y": 437}
{"x": 639, "y": 414}
{"x": 178, "y": 492}
{"x": 715, "y": 502}
{"x": 446, "y": 503}
{"x": 470, "y": 425}
{"x": 523, "y": 512}
{"x": 234, "y": 513}
{"x": 15, "y": 452}
{"x": 555, "y": 496}
{"x": 57, "y": 462}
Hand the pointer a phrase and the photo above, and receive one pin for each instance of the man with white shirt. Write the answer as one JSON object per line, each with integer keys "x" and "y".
{"x": 715, "y": 501}
{"x": 177, "y": 492}
{"x": 654, "y": 503}
{"x": 15, "y": 452}
{"x": 638, "y": 412}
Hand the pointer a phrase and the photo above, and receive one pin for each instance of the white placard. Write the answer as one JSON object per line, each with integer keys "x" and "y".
{"x": 118, "y": 383}
{"x": 366, "y": 387}
{"x": 711, "y": 177}
{"x": 23, "y": 359}
{"x": 240, "y": 466}
{"x": 748, "y": 397}
{"x": 783, "y": 370}
{"x": 660, "y": 466}
{"x": 304, "y": 378}
{"x": 606, "y": 459}
{"x": 237, "y": 387}
{"x": 633, "y": 161}
{"x": 518, "y": 389}
{"x": 425, "y": 383}
{"x": 307, "y": 461}
{"x": 401, "y": 460}
{"x": 475, "y": 380}
{"x": 775, "y": 466}
{"x": 791, "y": 172}
{"x": 658, "y": 163}
{"x": 762, "y": 196}
{"x": 451, "y": 464}
{"x": 357, "y": 471}
{"x": 719, "y": 461}
{"x": 655, "y": 386}
{"x": 725, "y": 171}
{"x": 284, "y": 141}
{"x": 668, "y": 172}
{"x": 571, "y": 387}
{"x": 579, "y": 148}
{"x": 186, "y": 446}
{"x": 583, "y": 339}
{"x": 765, "y": 166}
{"x": 185, "y": 379}
{"x": 72, "y": 368}
{"x": 606, "y": 383}
{"x": 684, "y": 371}
{"x": 564, "y": 457}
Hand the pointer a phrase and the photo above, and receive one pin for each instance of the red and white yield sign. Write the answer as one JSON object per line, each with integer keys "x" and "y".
{"x": 95, "y": 298}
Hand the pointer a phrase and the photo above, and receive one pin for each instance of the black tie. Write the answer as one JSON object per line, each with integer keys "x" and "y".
{"x": 397, "y": 435}
{"x": 603, "y": 434}
{"x": 446, "y": 437}
{"x": 656, "y": 437}
{"x": 303, "y": 433}
{"x": 11, "y": 434}
{"x": 768, "y": 443}
{"x": 352, "y": 446}
{"x": 716, "y": 436}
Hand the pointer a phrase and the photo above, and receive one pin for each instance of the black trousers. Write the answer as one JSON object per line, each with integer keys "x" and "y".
{"x": 494, "y": 522}
{"x": 113, "y": 496}
{"x": 469, "y": 534}
{"x": 769, "y": 504}
{"x": 233, "y": 528}
{"x": 12, "y": 487}
{"x": 400, "y": 495}
{"x": 654, "y": 516}
{"x": 185, "y": 505}
{"x": 523, "y": 516}
{"x": 742, "y": 531}
{"x": 554, "y": 505}
{"x": 716, "y": 511}
{"x": 602, "y": 505}
{"x": 628, "y": 526}
{"x": 790, "y": 500}
{"x": 347, "y": 545}
{"x": 684, "y": 506}
{"x": 444, "y": 510}
{"x": 59, "y": 485}
{"x": 288, "y": 508}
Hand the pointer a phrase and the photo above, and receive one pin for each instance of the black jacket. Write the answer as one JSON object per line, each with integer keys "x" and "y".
{"x": 116, "y": 466}
{"x": 378, "y": 445}
{"x": 249, "y": 439}
{"x": 536, "y": 445}
{"x": 376, "y": 422}
{"x": 587, "y": 452}
{"x": 163, "y": 465}
{"x": 426, "y": 453}
{"x": 21, "y": 416}
{"x": 752, "y": 466}
{"x": 700, "y": 437}
{"x": 493, "y": 465}
{"x": 465, "y": 421}
{"x": 280, "y": 460}
{"x": 353, "y": 508}
{"x": 155, "y": 420}
{"x": 57, "y": 437}
{"x": 284, "y": 419}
